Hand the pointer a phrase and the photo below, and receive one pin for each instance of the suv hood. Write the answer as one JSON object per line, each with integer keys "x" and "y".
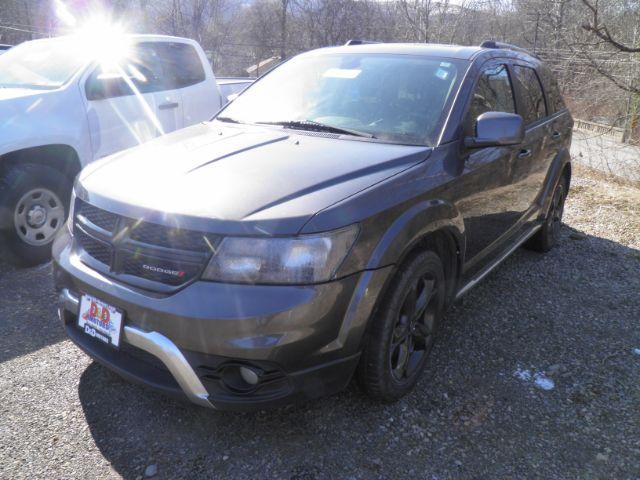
{"x": 240, "y": 179}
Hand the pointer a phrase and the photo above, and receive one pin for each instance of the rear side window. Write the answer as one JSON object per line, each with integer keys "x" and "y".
{"x": 181, "y": 64}
{"x": 555, "y": 97}
{"x": 555, "y": 102}
{"x": 493, "y": 93}
{"x": 534, "y": 107}
{"x": 148, "y": 61}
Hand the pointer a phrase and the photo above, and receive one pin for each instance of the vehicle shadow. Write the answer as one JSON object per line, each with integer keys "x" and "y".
{"x": 28, "y": 310}
{"x": 552, "y": 315}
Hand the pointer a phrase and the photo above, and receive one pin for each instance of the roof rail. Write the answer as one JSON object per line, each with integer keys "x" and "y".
{"x": 355, "y": 41}
{"x": 506, "y": 46}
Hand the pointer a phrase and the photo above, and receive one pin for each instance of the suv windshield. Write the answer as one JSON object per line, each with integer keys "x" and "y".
{"x": 45, "y": 64}
{"x": 397, "y": 98}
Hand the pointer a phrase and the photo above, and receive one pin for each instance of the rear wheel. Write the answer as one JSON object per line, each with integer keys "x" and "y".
{"x": 34, "y": 201}
{"x": 549, "y": 235}
{"x": 404, "y": 329}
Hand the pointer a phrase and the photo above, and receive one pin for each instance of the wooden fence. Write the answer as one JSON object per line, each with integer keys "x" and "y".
{"x": 615, "y": 133}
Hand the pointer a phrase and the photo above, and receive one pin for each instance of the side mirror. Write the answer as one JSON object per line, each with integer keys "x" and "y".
{"x": 495, "y": 129}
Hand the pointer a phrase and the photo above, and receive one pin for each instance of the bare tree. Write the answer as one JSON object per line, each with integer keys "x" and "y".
{"x": 283, "y": 28}
{"x": 614, "y": 28}
{"x": 601, "y": 30}
{"x": 418, "y": 15}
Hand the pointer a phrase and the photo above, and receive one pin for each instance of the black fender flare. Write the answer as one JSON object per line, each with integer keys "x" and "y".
{"x": 554, "y": 175}
{"x": 416, "y": 223}
{"x": 402, "y": 236}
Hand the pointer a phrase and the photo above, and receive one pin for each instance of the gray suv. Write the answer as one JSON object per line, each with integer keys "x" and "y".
{"x": 319, "y": 227}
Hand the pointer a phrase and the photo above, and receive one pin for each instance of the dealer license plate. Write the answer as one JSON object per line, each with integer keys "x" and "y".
{"x": 100, "y": 320}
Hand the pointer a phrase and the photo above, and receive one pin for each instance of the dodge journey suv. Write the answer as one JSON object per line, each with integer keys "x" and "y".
{"x": 318, "y": 227}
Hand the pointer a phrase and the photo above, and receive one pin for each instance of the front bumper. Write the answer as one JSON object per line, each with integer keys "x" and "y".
{"x": 304, "y": 341}
{"x": 154, "y": 343}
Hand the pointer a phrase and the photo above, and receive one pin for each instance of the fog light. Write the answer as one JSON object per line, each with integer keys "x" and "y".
{"x": 249, "y": 376}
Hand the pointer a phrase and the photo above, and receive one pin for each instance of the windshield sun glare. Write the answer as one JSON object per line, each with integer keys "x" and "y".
{"x": 397, "y": 98}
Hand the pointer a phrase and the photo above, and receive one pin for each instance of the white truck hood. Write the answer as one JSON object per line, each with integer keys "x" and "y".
{"x": 11, "y": 93}
{"x": 35, "y": 117}
{"x": 25, "y": 116}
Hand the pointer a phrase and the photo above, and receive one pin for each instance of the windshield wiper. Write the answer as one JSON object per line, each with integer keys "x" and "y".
{"x": 318, "y": 127}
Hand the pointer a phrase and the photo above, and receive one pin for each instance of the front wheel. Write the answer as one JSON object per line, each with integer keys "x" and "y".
{"x": 404, "y": 328}
{"x": 34, "y": 201}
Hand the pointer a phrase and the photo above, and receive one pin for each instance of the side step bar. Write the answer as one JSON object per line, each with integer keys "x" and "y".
{"x": 485, "y": 271}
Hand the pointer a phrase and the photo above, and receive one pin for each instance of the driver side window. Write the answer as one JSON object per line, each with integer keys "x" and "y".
{"x": 493, "y": 93}
{"x": 141, "y": 72}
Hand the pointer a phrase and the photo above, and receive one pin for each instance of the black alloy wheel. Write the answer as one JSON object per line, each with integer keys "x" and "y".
{"x": 414, "y": 331}
{"x": 556, "y": 210}
{"x": 403, "y": 329}
{"x": 549, "y": 234}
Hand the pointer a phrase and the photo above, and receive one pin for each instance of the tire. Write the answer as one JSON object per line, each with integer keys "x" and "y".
{"x": 400, "y": 338}
{"x": 34, "y": 202}
{"x": 549, "y": 235}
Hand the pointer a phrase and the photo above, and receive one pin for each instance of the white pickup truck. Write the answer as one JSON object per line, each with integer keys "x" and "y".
{"x": 62, "y": 107}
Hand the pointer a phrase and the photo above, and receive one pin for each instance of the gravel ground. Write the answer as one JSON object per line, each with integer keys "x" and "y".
{"x": 536, "y": 375}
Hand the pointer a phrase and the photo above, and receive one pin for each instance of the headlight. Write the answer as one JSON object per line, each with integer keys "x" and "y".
{"x": 291, "y": 260}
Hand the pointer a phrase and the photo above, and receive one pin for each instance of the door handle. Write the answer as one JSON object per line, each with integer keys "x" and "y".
{"x": 167, "y": 106}
{"x": 524, "y": 153}
{"x": 556, "y": 135}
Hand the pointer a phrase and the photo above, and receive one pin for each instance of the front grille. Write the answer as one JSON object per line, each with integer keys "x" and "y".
{"x": 169, "y": 237}
{"x": 138, "y": 252}
{"x": 100, "y": 218}
{"x": 93, "y": 247}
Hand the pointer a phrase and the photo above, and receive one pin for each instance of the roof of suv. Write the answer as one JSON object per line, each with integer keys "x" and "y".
{"x": 428, "y": 49}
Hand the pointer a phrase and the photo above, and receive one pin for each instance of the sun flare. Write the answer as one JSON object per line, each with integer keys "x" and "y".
{"x": 100, "y": 38}
{"x": 104, "y": 41}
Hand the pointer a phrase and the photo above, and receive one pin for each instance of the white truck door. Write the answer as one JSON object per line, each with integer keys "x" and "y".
{"x": 169, "y": 101}
{"x": 190, "y": 94}
{"x": 118, "y": 117}
{"x": 132, "y": 103}
{"x": 194, "y": 78}
{"x": 170, "y": 110}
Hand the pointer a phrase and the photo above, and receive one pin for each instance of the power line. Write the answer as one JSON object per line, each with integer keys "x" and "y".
{"x": 14, "y": 24}
{"x": 14, "y": 29}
